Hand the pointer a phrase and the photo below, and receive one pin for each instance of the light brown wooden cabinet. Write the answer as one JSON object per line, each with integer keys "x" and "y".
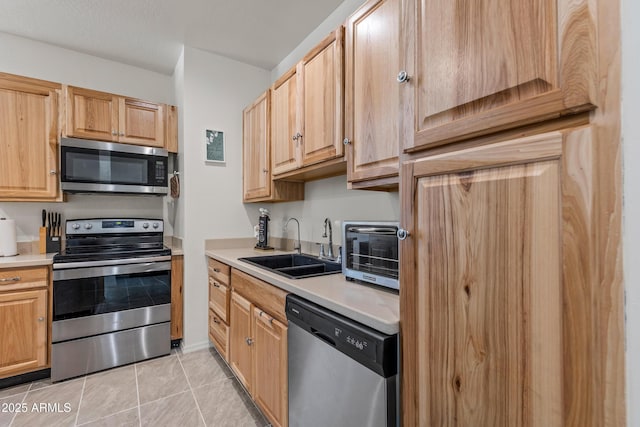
{"x": 219, "y": 305}
{"x": 497, "y": 297}
{"x": 308, "y": 109}
{"x": 258, "y": 184}
{"x": 177, "y": 300}
{"x": 240, "y": 341}
{"x": 478, "y": 67}
{"x": 28, "y": 139}
{"x": 24, "y": 319}
{"x": 372, "y": 94}
{"x": 108, "y": 117}
{"x": 258, "y": 343}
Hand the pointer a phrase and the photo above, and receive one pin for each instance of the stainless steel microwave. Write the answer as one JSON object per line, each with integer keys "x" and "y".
{"x": 89, "y": 166}
{"x": 370, "y": 252}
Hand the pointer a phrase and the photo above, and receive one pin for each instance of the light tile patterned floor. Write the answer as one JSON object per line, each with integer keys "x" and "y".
{"x": 191, "y": 389}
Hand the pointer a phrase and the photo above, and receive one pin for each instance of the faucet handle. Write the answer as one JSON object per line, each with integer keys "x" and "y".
{"x": 321, "y": 254}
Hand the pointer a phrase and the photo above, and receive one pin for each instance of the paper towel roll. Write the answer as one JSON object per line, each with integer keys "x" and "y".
{"x": 8, "y": 241}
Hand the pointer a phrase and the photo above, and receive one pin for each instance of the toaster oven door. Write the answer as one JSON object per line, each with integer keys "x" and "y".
{"x": 371, "y": 253}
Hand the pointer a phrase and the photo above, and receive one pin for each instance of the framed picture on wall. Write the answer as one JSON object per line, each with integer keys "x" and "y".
{"x": 214, "y": 140}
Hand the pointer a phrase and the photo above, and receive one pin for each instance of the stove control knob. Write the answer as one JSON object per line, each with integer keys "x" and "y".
{"x": 88, "y": 226}
{"x": 75, "y": 226}
{"x": 145, "y": 225}
{"x": 156, "y": 225}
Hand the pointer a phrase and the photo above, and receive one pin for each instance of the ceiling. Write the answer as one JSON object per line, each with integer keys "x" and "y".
{"x": 150, "y": 33}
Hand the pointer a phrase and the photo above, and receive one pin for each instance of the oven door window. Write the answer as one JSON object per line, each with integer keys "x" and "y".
{"x": 88, "y": 296}
{"x": 372, "y": 253}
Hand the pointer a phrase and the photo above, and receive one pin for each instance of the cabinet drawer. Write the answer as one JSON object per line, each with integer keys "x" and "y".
{"x": 12, "y": 279}
{"x": 219, "y": 299}
{"x": 219, "y": 271}
{"x": 218, "y": 334}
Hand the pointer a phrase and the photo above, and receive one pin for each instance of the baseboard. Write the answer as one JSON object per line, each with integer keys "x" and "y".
{"x": 195, "y": 347}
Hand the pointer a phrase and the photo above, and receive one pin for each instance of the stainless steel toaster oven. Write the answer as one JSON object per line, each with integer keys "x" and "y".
{"x": 370, "y": 252}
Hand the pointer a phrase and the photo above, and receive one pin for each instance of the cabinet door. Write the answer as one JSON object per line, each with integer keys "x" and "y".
{"x": 241, "y": 340}
{"x": 23, "y": 316}
{"x": 270, "y": 367}
{"x": 482, "y": 310}
{"x": 372, "y": 99}
{"x": 284, "y": 123}
{"x": 140, "y": 122}
{"x": 322, "y": 109}
{"x": 91, "y": 114}
{"x": 28, "y": 139}
{"x": 501, "y": 294}
{"x": 171, "y": 128}
{"x": 256, "y": 146}
{"x": 487, "y": 65}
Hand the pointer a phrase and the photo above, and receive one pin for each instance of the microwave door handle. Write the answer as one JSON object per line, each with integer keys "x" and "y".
{"x": 373, "y": 230}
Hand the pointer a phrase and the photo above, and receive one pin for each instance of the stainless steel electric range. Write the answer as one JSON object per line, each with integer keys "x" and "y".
{"x": 111, "y": 296}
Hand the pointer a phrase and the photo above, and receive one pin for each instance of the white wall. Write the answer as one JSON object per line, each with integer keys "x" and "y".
{"x": 40, "y": 60}
{"x": 216, "y": 90}
{"x": 631, "y": 212}
{"x": 329, "y": 198}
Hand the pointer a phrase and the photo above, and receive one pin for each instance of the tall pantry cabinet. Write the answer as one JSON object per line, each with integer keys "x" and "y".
{"x": 511, "y": 283}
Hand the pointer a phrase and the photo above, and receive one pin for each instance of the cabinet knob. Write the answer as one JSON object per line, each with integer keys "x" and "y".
{"x": 248, "y": 340}
{"x": 265, "y": 170}
{"x": 402, "y": 234}
{"x": 216, "y": 321}
{"x": 53, "y": 172}
{"x": 403, "y": 77}
{"x": 297, "y": 136}
{"x": 346, "y": 141}
{"x": 121, "y": 133}
{"x": 11, "y": 279}
{"x": 216, "y": 285}
{"x": 217, "y": 270}
{"x": 114, "y": 133}
{"x": 40, "y": 319}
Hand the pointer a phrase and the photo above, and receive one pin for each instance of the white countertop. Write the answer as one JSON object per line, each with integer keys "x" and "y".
{"x": 374, "y": 307}
{"x": 26, "y": 260}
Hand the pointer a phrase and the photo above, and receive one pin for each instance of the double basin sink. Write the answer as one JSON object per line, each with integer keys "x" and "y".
{"x": 295, "y": 266}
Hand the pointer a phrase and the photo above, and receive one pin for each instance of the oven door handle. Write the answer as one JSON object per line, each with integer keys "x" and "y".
{"x": 110, "y": 270}
{"x": 121, "y": 261}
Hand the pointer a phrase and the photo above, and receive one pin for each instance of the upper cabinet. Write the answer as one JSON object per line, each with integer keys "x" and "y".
{"x": 107, "y": 117}
{"x": 372, "y": 94}
{"x": 307, "y": 110}
{"x": 258, "y": 185}
{"x": 28, "y": 139}
{"x": 474, "y": 67}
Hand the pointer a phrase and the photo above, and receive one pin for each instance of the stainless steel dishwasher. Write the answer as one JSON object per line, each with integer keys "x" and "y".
{"x": 341, "y": 373}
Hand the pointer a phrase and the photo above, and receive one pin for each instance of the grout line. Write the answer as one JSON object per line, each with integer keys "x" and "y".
{"x": 84, "y": 383}
{"x": 107, "y": 416}
{"x": 135, "y": 371}
{"x": 22, "y": 401}
{"x": 192, "y": 393}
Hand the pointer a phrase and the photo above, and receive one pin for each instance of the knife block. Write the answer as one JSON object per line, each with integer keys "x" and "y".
{"x": 48, "y": 244}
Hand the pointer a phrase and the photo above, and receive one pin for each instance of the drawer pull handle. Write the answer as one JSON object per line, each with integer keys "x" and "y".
{"x": 11, "y": 279}
{"x": 270, "y": 318}
{"x": 248, "y": 340}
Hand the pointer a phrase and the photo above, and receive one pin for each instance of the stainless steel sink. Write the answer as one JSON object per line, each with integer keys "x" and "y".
{"x": 295, "y": 266}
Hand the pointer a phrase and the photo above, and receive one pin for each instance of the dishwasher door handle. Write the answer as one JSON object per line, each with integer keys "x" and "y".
{"x": 324, "y": 337}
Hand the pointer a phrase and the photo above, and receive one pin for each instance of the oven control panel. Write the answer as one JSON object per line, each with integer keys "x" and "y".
{"x": 114, "y": 225}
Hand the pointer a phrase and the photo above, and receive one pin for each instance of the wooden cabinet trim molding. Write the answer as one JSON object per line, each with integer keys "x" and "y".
{"x": 544, "y": 146}
{"x": 177, "y": 291}
{"x": 269, "y": 298}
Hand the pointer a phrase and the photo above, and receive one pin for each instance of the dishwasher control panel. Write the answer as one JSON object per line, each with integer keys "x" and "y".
{"x": 372, "y": 348}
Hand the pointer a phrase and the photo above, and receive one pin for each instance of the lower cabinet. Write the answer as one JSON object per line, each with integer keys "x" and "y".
{"x": 258, "y": 343}
{"x": 24, "y": 319}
